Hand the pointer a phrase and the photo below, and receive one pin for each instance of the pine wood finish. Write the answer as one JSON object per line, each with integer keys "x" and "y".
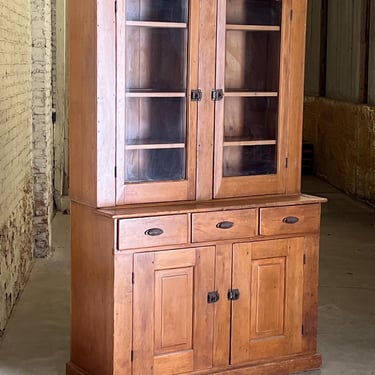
{"x": 268, "y": 316}
{"x": 228, "y": 225}
{"x": 193, "y": 249}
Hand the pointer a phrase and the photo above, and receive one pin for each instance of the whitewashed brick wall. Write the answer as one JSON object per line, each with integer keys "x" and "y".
{"x": 42, "y": 124}
{"x": 16, "y": 198}
{"x": 53, "y": 53}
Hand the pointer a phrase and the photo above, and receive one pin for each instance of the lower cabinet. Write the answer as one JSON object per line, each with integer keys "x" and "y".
{"x": 195, "y": 291}
{"x": 186, "y": 319}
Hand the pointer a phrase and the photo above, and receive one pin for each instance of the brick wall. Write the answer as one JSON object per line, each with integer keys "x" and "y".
{"x": 53, "y": 54}
{"x": 16, "y": 198}
{"x": 42, "y": 124}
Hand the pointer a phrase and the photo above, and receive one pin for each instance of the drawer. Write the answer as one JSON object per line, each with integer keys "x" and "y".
{"x": 289, "y": 220}
{"x": 224, "y": 225}
{"x": 153, "y": 231}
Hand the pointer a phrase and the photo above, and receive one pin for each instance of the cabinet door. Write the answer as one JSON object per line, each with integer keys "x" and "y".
{"x": 157, "y": 69}
{"x": 267, "y": 318}
{"x": 252, "y": 71}
{"x": 173, "y": 322}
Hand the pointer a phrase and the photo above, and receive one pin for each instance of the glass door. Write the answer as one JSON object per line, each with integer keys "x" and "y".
{"x": 155, "y": 156}
{"x": 250, "y": 155}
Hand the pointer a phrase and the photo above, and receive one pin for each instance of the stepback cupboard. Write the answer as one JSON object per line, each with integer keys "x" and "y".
{"x": 193, "y": 250}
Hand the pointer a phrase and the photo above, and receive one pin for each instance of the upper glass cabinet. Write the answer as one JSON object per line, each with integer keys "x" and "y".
{"x": 153, "y": 147}
{"x": 249, "y": 129}
{"x": 156, "y": 84}
{"x": 190, "y": 127}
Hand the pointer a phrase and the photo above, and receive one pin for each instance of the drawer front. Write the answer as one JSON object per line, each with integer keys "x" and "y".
{"x": 289, "y": 220}
{"x": 224, "y": 225}
{"x": 153, "y": 231}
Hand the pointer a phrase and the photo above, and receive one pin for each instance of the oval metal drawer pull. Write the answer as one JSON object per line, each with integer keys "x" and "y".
{"x": 154, "y": 232}
{"x": 290, "y": 220}
{"x": 225, "y": 225}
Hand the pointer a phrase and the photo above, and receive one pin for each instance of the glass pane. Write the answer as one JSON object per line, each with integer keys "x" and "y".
{"x": 249, "y": 161}
{"x": 252, "y": 60}
{"x": 157, "y": 10}
{"x": 250, "y": 118}
{"x": 155, "y": 165}
{"x": 156, "y": 58}
{"x": 155, "y": 120}
{"x": 254, "y": 12}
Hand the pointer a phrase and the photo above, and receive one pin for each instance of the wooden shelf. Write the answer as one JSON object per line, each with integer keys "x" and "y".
{"x": 251, "y": 94}
{"x": 155, "y": 94}
{"x": 155, "y": 24}
{"x": 236, "y": 143}
{"x": 154, "y": 146}
{"x": 252, "y": 27}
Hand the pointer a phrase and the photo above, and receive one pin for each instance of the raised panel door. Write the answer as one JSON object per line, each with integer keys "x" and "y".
{"x": 267, "y": 318}
{"x": 173, "y": 322}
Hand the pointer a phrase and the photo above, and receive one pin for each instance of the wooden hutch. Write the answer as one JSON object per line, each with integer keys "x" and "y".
{"x": 193, "y": 250}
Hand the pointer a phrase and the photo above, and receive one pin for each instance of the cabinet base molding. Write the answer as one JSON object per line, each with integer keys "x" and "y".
{"x": 290, "y": 365}
{"x": 72, "y": 369}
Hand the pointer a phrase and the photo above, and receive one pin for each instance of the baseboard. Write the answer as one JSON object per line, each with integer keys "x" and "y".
{"x": 289, "y": 365}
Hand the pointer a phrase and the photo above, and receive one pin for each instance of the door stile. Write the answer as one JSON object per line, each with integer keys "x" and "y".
{"x": 206, "y": 110}
{"x": 192, "y": 106}
{"x": 219, "y": 105}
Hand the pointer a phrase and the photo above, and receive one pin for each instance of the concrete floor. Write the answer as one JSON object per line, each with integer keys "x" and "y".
{"x": 37, "y": 337}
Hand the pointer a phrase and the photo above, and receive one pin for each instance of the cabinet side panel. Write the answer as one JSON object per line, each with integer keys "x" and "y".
{"x": 296, "y": 82}
{"x": 123, "y": 295}
{"x": 310, "y": 297}
{"x": 143, "y": 314}
{"x": 106, "y": 125}
{"x": 91, "y": 290}
{"x": 82, "y": 101}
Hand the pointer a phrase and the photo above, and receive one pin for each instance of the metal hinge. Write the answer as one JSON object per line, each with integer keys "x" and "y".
{"x": 217, "y": 94}
{"x": 196, "y": 95}
{"x": 116, "y": 6}
{"x": 304, "y": 258}
{"x": 291, "y": 14}
{"x": 302, "y": 329}
{"x": 286, "y": 162}
{"x": 115, "y": 171}
{"x": 132, "y": 356}
{"x": 133, "y": 277}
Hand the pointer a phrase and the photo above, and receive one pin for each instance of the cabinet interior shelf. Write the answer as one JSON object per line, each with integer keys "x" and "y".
{"x": 252, "y": 27}
{"x": 234, "y": 143}
{"x": 155, "y": 146}
{"x": 251, "y": 94}
{"x": 155, "y": 94}
{"x": 155, "y": 24}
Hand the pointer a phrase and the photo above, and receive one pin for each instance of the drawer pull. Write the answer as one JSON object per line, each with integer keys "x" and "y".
{"x": 154, "y": 232}
{"x": 290, "y": 220}
{"x": 225, "y": 225}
